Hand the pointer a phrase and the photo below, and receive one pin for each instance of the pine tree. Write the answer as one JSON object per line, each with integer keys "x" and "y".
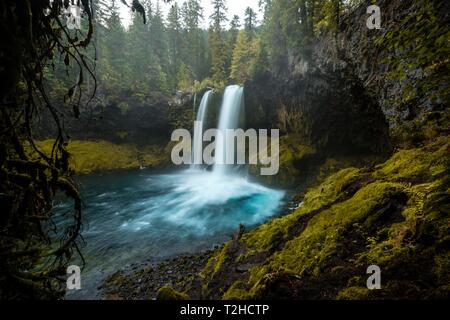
{"x": 174, "y": 36}
{"x": 250, "y": 21}
{"x": 235, "y": 24}
{"x": 139, "y": 56}
{"x": 159, "y": 47}
{"x": 217, "y": 42}
{"x": 194, "y": 46}
{"x": 265, "y": 6}
{"x": 113, "y": 60}
{"x": 244, "y": 56}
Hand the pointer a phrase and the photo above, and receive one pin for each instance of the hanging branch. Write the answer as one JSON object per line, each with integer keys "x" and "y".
{"x": 33, "y": 34}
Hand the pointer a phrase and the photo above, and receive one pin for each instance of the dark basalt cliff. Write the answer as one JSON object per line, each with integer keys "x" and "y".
{"x": 360, "y": 93}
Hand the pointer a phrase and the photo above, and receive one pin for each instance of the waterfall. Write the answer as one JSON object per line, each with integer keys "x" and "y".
{"x": 198, "y": 129}
{"x": 229, "y": 117}
{"x": 195, "y": 101}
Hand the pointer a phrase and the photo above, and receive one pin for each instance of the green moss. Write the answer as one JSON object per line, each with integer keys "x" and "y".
{"x": 353, "y": 293}
{"x": 214, "y": 263}
{"x": 442, "y": 267}
{"x": 262, "y": 238}
{"x": 427, "y": 127}
{"x": 320, "y": 239}
{"x": 413, "y": 164}
{"x": 331, "y": 189}
{"x": 420, "y": 34}
{"x": 292, "y": 152}
{"x": 237, "y": 291}
{"x": 169, "y": 293}
{"x": 91, "y": 156}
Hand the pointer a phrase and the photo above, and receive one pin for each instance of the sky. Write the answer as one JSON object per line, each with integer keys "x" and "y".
{"x": 235, "y": 7}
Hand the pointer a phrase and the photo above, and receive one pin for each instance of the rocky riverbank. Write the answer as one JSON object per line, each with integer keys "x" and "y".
{"x": 142, "y": 281}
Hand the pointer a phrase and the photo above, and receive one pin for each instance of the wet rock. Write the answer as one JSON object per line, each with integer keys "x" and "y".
{"x": 142, "y": 280}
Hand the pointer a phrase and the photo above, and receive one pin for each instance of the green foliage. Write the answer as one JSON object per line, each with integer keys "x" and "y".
{"x": 157, "y": 56}
{"x": 219, "y": 59}
{"x": 250, "y": 21}
{"x": 195, "y": 48}
{"x": 244, "y": 57}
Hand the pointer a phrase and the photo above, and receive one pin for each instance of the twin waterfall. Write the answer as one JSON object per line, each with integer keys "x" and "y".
{"x": 230, "y": 110}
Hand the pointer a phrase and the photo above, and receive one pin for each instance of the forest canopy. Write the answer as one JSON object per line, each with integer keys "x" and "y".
{"x": 175, "y": 51}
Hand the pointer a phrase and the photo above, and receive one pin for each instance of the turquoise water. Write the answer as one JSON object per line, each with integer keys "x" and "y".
{"x": 136, "y": 216}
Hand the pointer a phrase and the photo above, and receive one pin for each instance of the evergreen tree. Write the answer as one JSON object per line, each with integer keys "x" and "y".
{"x": 265, "y": 7}
{"x": 232, "y": 35}
{"x": 235, "y": 25}
{"x": 217, "y": 42}
{"x": 113, "y": 60}
{"x": 139, "y": 56}
{"x": 175, "y": 37}
{"x": 244, "y": 56}
{"x": 250, "y": 21}
{"x": 159, "y": 47}
{"x": 194, "y": 48}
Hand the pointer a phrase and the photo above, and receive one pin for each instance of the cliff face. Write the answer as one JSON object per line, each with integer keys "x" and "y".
{"x": 130, "y": 119}
{"x": 136, "y": 120}
{"x": 404, "y": 66}
{"x": 361, "y": 92}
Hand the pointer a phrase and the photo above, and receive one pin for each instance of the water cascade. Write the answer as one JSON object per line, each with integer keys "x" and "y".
{"x": 229, "y": 117}
{"x": 198, "y": 129}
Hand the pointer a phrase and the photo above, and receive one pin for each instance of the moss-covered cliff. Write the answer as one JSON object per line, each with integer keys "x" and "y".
{"x": 88, "y": 156}
{"x": 395, "y": 215}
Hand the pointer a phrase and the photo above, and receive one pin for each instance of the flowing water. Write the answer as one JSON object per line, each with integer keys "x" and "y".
{"x": 198, "y": 134}
{"x": 229, "y": 117}
{"x": 133, "y": 216}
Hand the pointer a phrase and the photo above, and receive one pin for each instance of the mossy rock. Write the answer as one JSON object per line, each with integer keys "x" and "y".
{"x": 353, "y": 293}
{"x": 169, "y": 293}
{"x": 92, "y": 156}
{"x": 295, "y": 159}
